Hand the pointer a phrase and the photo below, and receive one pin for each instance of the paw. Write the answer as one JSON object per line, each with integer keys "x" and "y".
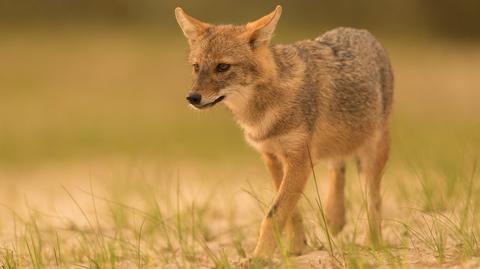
{"x": 336, "y": 222}
{"x": 335, "y": 227}
{"x": 297, "y": 246}
{"x": 335, "y": 215}
{"x": 374, "y": 239}
{"x": 255, "y": 263}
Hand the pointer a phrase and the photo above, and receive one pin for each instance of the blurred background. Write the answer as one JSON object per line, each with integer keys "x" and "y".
{"x": 88, "y": 80}
{"x": 93, "y": 116}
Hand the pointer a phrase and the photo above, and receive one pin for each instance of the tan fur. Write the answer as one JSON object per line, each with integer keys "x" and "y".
{"x": 330, "y": 97}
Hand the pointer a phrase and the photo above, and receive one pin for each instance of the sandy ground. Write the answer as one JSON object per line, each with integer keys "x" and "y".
{"x": 233, "y": 203}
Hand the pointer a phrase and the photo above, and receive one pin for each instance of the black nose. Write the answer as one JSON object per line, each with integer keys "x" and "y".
{"x": 194, "y": 98}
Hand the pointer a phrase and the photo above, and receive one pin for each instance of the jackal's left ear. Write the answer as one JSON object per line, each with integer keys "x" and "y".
{"x": 191, "y": 27}
{"x": 260, "y": 31}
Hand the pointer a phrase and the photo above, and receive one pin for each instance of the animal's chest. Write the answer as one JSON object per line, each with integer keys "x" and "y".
{"x": 256, "y": 132}
{"x": 265, "y": 145}
{"x": 281, "y": 145}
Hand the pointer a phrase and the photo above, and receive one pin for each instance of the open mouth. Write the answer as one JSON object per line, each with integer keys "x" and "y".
{"x": 218, "y": 100}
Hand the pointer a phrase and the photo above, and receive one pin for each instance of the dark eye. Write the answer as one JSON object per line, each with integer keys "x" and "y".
{"x": 196, "y": 67}
{"x": 222, "y": 67}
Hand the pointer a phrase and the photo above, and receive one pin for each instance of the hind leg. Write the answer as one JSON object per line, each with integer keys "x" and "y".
{"x": 335, "y": 210}
{"x": 371, "y": 160}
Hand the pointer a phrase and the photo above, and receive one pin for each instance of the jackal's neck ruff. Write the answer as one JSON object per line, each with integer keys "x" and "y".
{"x": 267, "y": 107}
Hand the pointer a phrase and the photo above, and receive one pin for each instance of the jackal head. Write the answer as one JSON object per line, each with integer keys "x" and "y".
{"x": 227, "y": 60}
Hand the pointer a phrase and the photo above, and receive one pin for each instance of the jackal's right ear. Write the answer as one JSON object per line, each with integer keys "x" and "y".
{"x": 191, "y": 27}
{"x": 260, "y": 31}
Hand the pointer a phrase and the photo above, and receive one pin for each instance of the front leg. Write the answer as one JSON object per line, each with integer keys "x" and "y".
{"x": 295, "y": 234}
{"x": 297, "y": 169}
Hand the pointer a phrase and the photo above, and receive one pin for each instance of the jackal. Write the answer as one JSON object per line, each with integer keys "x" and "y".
{"x": 322, "y": 99}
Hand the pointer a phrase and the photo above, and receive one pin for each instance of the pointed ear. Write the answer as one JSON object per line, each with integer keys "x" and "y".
{"x": 191, "y": 27}
{"x": 260, "y": 31}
